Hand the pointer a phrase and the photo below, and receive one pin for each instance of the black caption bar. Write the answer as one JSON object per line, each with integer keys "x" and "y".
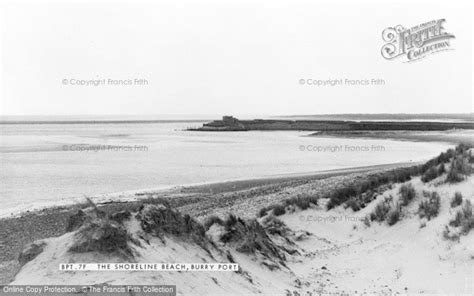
{"x": 92, "y": 290}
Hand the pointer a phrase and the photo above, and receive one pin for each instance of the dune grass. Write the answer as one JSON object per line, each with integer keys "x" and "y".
{"x": 381, "y": 210}
{"x": 394, "y": 215}
{"x": 457, "y": 200}
{"x": 301, "y": 201}
{"x": 464, "y": 218}
{"x": 249, "y": 236}
{"x": 97, "y": 232}
{"x": 358, "y": 194}
{"x": 430, "y": 206}
{"x": 407, "y": 194}
{"x": 461, "y": 224}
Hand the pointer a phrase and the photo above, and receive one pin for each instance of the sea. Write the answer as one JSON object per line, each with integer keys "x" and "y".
{"x": 58, "y": 163}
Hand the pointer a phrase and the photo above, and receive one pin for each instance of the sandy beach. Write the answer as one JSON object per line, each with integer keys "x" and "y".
{"x": 243, "y": 198}
{"x": 317, "y": 249}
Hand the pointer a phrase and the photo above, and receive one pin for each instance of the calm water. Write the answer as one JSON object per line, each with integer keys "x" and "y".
{"x": 42, "y": 164}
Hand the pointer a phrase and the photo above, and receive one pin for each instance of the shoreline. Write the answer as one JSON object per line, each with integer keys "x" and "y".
{"x": 242, "y": 197}
{"x": 328, "y": 254}
{"x": 242, "y": 184}
{"x": 211, "y": 187}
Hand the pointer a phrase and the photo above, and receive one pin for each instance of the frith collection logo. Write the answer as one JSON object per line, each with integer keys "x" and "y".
{"x": 417, "y": 42}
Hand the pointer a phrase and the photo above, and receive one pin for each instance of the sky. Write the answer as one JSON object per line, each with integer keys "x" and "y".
{"x": 226, "y": 57}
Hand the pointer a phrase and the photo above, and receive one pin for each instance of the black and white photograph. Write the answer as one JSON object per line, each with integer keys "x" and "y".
{"x": 236, "y": 147}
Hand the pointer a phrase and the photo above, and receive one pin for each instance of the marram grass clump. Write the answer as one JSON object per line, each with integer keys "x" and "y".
{"x": 97, "y": 232}
{"x": 160, "y": 220}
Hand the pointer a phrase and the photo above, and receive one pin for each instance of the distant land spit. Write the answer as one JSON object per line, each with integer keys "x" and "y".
{"x": 229, "y": 123}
